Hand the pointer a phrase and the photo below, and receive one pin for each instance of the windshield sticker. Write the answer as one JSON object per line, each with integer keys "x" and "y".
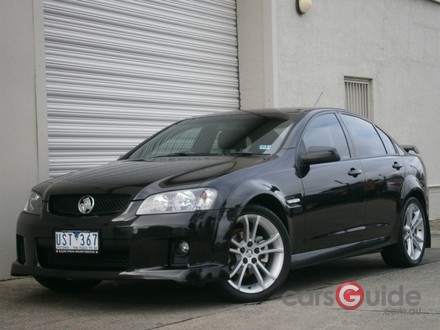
{"x": 264, "y": 146}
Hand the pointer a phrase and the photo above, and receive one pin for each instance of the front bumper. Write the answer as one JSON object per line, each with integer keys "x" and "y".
{"x": 141, "y": 248}
{"x": 201, "y": 273}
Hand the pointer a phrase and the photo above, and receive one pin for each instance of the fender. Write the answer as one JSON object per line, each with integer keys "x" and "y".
{"x": 262, "y": 192}
{"x": 412, "y": 186}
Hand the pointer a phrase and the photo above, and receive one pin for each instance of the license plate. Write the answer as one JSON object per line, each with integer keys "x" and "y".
{"x": 76, "y": 241}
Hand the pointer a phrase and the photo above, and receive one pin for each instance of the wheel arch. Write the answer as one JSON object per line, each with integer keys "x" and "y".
{"x": 259, "y": 192}
{"x": 413, "y": 186}
{"x": 273, "y": 204}
{"x": 420, "y": 196}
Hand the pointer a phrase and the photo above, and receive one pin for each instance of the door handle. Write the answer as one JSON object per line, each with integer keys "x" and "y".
{"x": 397, "y": 166}
{"x": 354, "y": 172}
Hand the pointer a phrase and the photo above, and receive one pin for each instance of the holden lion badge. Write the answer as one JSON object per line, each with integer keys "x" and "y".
{"x": 86, "y": 204}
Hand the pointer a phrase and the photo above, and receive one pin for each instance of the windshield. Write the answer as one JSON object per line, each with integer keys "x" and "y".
{"x": 222, "y": 135}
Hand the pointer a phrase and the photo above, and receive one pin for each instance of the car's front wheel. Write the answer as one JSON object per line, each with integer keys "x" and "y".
{"x": 66, "y": 285}
{"x": 259, "y": 256}
{"x": 410, "y": 247}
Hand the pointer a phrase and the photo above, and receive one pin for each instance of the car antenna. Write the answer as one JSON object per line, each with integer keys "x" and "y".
{"x": 318, "y": 98}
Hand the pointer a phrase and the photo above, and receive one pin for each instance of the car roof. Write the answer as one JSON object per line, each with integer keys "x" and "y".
{"x": 273, "y": 112}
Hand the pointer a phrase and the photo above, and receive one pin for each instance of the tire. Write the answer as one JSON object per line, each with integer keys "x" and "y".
{"x": 259, "y": 256}
{"x": 66, "y": 285}
{"x": 410, "y": 247}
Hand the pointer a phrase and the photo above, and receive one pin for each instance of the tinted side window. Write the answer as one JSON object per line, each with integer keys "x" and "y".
{"x": 325, "y": 130}
{"x": 365, "y": 138}
{"x": 389, "y": 145}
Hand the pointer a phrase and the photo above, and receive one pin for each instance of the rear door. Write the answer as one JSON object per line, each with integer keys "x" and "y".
{"x": 384, "y": 171}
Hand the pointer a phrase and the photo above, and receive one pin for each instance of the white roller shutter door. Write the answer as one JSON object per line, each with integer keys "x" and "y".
{"x": 119, "y": 70}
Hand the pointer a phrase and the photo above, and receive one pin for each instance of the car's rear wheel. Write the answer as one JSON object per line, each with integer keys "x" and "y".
{"x": 66, "y": 285}
{"x": 410, "y": 247}
{"x": 259, "y": 256}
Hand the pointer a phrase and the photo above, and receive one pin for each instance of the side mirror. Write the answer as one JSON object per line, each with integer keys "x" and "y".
{"x": 319, "y": 155}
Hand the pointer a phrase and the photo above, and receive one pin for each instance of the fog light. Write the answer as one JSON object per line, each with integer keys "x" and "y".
{"x": 181, "y": 248}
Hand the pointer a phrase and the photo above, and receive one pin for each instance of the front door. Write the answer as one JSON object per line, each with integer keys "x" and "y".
{"x": 333, "y": 192}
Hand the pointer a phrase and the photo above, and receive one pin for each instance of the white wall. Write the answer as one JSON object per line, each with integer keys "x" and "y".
{"x": 256, "y": 22}
{"x": 396, "y": 43}
{"x": 23, "y": 140}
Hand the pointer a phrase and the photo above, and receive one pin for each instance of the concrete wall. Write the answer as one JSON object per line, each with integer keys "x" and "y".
{"x": 23, "y": 137}
{"x": 396, "y": 43}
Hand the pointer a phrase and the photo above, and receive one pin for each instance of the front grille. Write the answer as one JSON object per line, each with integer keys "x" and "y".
{"x": 104, "y": 204}
{"x": 110, "y": 260}
{"x": 180, "y": 260}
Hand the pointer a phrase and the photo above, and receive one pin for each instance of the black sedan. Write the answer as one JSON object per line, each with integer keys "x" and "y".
{"x": 236, "y": 199}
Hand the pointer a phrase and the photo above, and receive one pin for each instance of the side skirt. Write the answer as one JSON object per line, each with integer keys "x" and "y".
{"x": 314, "y": 257}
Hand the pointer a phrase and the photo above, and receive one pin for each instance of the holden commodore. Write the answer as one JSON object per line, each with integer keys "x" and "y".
{"x": 237, "y": 199}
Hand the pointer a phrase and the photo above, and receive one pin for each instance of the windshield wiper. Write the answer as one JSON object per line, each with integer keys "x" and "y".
{"x": 240, "y": 153}
{"x": 180, "y": 154}
{"x": 174, "y": 154}
{"x": 191, "y": 154}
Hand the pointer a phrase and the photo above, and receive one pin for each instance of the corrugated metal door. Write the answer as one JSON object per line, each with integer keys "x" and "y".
{"x": 119, "y": 70}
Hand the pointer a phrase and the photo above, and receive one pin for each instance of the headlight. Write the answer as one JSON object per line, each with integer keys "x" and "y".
{"x": 34, "y": 204}
{"x": 179, "y": 201}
